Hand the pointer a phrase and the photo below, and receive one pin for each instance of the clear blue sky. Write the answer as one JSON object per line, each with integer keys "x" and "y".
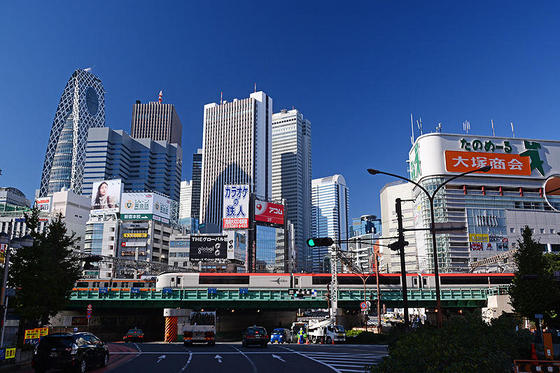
{"x": 356, "y": 70}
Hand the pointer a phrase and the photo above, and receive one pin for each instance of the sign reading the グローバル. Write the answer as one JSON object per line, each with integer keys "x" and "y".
{"x": 438, "y": 154}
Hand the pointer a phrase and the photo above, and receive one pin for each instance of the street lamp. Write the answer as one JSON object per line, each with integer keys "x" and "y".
{"x": 432, "y": 229}
{"x": 14, "y": 243}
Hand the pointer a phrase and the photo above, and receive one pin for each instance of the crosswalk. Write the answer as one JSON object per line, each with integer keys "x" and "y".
{"x": 344, "y": 362}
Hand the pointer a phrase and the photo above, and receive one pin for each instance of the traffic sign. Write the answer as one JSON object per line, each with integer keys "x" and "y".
{"x": 363, "y": 306}
{"x": 89, "y": 307}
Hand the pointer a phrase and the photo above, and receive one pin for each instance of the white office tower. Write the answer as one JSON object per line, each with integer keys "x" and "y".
{"x": 291, "y": 176}
{"x": 390, "y": 261}
{"x": 329, "y": 216}
{"x": 236, "y": 149}
{"x": 185, "y": 199}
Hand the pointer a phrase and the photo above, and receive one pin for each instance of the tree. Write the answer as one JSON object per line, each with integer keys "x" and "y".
{"x": 533, "y": 290}
{"x": 45, "y": 273}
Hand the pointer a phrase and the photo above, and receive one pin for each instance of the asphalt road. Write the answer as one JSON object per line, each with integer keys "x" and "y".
{"x": 232, "y": 357}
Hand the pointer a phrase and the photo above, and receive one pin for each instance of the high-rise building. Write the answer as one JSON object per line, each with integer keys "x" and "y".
{"x": 329, "y": 216}
{"x": 291, "y": 176}
{"x": 156, "y": 121}
{"x": 390, "y": 261}
{"x": 81, "y": 107}
{"x": 236, "y": 150}
{"x": 185, "y": 199}
{"x": 141, "y": 164}
{"x": 196, "y": 183}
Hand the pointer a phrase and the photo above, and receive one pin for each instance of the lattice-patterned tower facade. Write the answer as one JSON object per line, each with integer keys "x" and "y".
{"x": 81, "y": 107}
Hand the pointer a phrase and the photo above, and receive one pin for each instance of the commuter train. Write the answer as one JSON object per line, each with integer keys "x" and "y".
{"x": 321, "y": 280}
{"x": 119, "y": 284}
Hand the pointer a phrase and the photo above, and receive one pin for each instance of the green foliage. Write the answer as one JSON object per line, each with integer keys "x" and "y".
{"x": 463, "y": 344}
{"x": 44, "y": 273}
{"x": 533, "y": 290}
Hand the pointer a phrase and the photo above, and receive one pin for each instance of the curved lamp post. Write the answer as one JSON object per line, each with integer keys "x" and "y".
{"x": 431, "y": 198}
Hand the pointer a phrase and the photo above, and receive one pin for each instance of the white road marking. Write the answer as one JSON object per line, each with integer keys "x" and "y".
{"x": 311, "y": 358}
{"x": 162, "y": 357}
{"x": 188, "y": 362}
{"x": 342, "y": 362}
{"x": 219, "y": 358}
{"x": 247, "y": 357}
{"x": 279, "y": 358}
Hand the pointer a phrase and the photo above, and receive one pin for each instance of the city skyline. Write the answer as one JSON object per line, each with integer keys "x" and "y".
{"x": 476, "y": 65}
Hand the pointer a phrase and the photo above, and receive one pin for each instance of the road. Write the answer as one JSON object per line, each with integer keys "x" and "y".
{"x": 232, "y": 357}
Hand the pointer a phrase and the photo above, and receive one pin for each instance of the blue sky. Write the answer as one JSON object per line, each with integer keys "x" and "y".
{"x": 355, "y": 69}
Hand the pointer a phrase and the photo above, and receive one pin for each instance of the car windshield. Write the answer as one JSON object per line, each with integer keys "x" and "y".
{"x": 277, "y": 331}
{"x": 56, "y": 341}
{"x": 339, "y": 328}
{"x": 256, "y": 331}
{"x": 134, "y": 331}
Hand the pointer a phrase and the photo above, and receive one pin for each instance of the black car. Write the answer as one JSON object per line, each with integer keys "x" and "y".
{"x": 74, "y": 352}
{"x": 255, "y": 335}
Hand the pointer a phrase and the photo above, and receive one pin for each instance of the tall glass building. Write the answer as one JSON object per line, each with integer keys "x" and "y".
{"x": 196, "y": 182}
{"x": 291, "y": 176}
{"x": 81, "y": 107}
{"x": 329, "y": 216}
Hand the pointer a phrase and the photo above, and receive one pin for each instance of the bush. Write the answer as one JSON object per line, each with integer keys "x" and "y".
{"x": 463, "y": 344}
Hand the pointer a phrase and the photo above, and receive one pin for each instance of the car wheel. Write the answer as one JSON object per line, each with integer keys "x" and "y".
{"x": 82, "y": 366}
{"x": 105, "y": 360}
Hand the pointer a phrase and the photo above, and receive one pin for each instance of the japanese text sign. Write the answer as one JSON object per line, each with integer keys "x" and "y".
{"x": 236, "y": 206}
{"x": 269, "y": 212}
{"x": 502, "y": 164}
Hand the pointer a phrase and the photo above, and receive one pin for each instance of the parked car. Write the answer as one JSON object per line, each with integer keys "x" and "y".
{"x": 280, "y": 335}
{"x": 70, "y": 351}
{"x": 134, "y": 335}
{"x": 255, "y": 335}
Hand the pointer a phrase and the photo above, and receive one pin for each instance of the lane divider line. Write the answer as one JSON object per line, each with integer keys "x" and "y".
{"x": 247, "y": 357}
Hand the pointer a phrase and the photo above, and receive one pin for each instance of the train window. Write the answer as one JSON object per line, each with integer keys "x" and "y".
{"x": 463, "y": 280}
{"x": 82, "y": 284}
{"x": 296, "y": 281}
{"x": 501, "y": 279}
{"x": 96, "y": 284}
{"x": 424, "y": 281}
{"x": 137, "y": 284}
{"x": 225, "y": 280}
{"x": 415, "y": 281}
{"x": 321, "y": 280}
{"x": 393, "y": 280}
{"x": 124, "y": 285}
{"x": 178, "y": 280}
{"x": 106, "y": 285}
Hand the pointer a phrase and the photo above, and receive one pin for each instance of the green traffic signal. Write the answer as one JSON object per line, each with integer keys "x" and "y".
{"x": 319, "y": 241}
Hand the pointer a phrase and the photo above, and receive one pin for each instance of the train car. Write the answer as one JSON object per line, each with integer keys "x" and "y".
{"x": 224, "y": 280}
{"x": 351, "y": 280}
{"x": 454, "y": 280}
{"x": 113, "y": 283}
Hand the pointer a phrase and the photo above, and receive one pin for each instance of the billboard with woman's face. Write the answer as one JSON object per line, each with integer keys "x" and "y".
{"x": 106, "y": 196}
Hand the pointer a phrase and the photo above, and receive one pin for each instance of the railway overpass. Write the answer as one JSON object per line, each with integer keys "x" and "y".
{"x": 274, "y": 299}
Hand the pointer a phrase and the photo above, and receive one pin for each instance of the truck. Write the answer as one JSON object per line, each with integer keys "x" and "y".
{"x": 325, "y": 331}
{"x": 200, "y": 327}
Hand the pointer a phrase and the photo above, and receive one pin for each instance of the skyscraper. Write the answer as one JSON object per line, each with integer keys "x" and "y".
{"x": 185, "y": 199}
{"x": 196, "y": 183}
{"x": 236, "y": 150}
{"x": 291, "y": 176}
{"x": 157, "y": 121}
{"x": 142, "y": 164}
{"x": 81, "y": 107}
{"x": 329, "y": 215}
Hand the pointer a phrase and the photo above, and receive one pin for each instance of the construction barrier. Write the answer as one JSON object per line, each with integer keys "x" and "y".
{"x": 170, "y": 329}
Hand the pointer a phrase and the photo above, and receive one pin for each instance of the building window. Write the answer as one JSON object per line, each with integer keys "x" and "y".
{"x": 552, "y": 231}
{"x": 542, "y": 230}
{"x": 512, "y": 230}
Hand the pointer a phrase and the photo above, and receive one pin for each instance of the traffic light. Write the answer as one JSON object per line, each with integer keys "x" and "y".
{"x": 319, "y": 241}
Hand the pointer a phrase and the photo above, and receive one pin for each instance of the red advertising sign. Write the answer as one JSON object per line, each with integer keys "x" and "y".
{"x": 235, "y": 223}
{"x": 269, "y": 212}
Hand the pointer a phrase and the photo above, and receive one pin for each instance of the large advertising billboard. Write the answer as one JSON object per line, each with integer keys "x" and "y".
{"x": 269, "y": 212}
{"x": 236, "y": 207}
{"x": 106, "y": 196}
{"x": 145, "y": 205}
{"x": 207, "y": 247}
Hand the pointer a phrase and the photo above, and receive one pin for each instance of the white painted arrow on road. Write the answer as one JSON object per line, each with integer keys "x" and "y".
{"x": 160, "y": 359}
{"x": 279, "y": 358}
{"x": 219, "y": 358}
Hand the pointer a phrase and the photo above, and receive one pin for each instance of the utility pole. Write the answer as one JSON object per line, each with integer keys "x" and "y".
{"x": 400, "y": 245}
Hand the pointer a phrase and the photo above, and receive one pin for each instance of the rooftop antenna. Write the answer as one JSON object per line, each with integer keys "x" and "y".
{"x": 88, "y": 69}
{"x": 411, "y": 129}
{"x": 255, "y": 86}
{"x": 466, "y": 126}
{"x": 221, "y": 97}
{"x": 492, "y": 121}
{"x": 160, "y": 97}
{"x": 438, "y": 127}
{"x": 419, "y": 124}
{"x": 512, "y": 129}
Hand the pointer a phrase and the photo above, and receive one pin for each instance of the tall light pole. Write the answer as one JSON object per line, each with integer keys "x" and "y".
{"x": 14, "y": 243}
{"x": 432, "y": 229}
